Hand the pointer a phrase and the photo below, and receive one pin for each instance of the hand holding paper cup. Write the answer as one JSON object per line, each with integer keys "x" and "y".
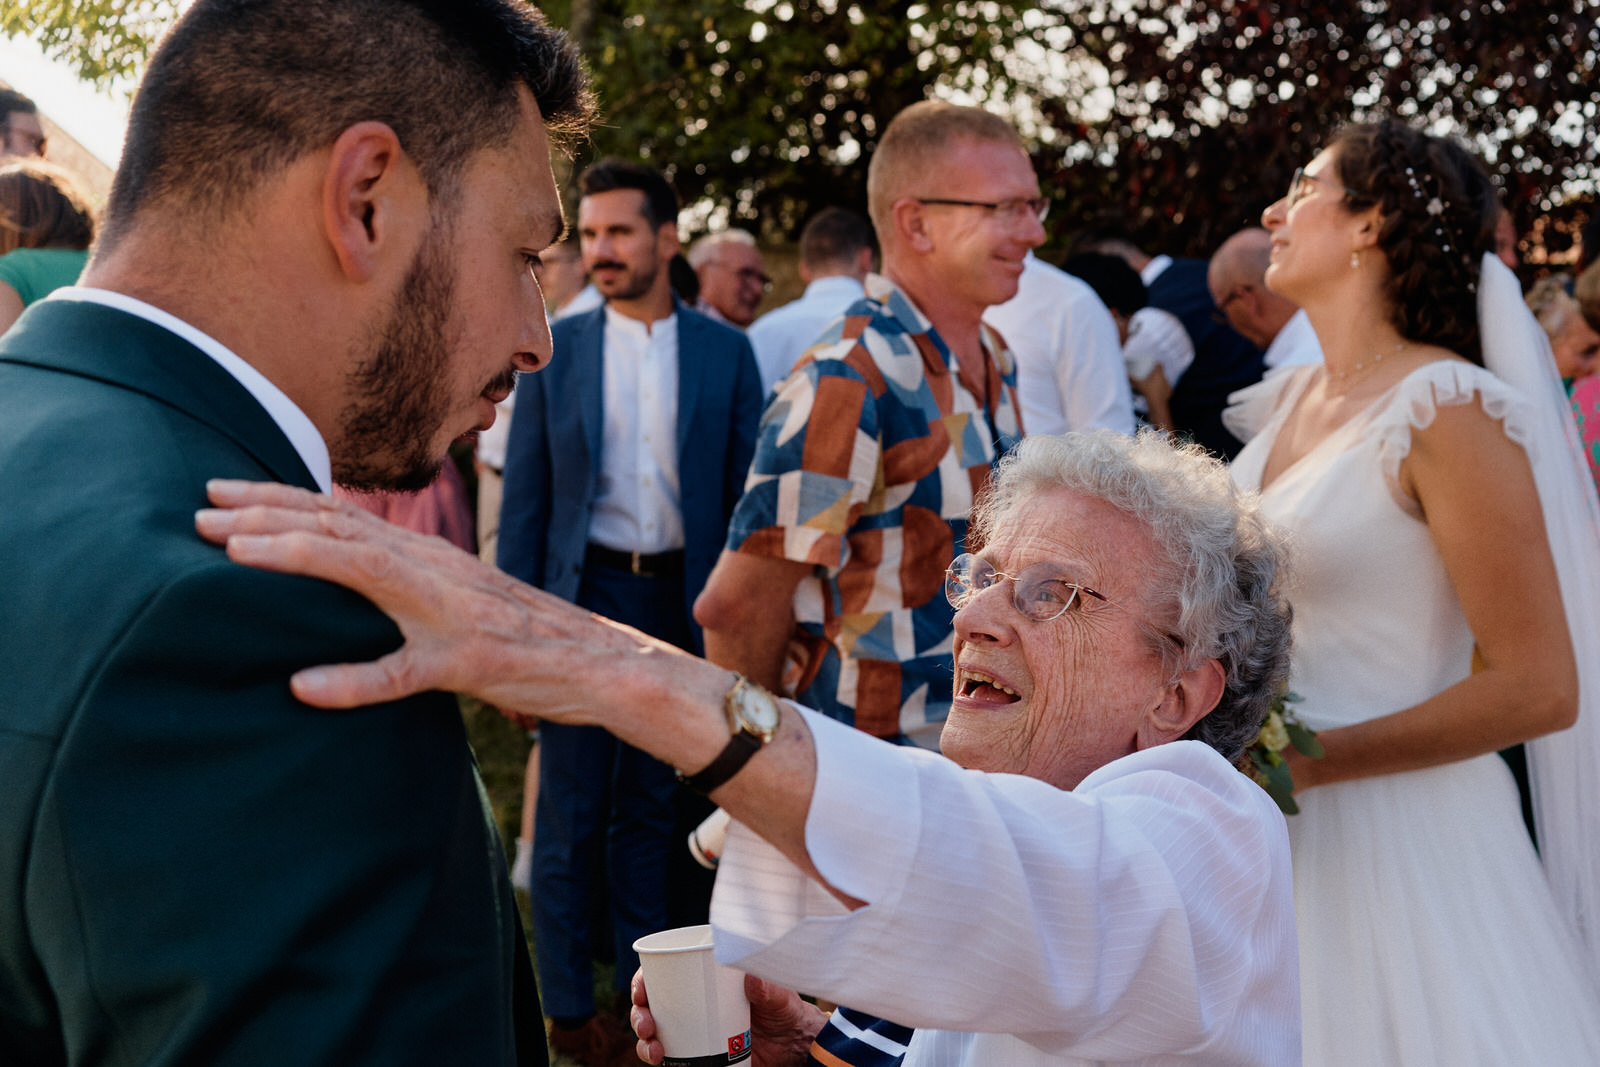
{"x": 702, "y": 1018}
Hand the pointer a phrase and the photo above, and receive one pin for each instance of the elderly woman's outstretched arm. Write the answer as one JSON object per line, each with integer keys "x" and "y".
{"x": 472, "y": 629}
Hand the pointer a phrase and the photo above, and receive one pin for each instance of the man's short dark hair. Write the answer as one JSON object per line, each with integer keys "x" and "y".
{"x": 241, "y": 88}
{"x": 11, "y": 100}
{"x": 1118, "y": 285}
{"x": 609, "y": 175}
{"x": 833, "y": 238}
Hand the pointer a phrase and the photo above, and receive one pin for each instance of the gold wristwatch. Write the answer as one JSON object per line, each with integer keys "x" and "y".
{"x": 753, "y": 716}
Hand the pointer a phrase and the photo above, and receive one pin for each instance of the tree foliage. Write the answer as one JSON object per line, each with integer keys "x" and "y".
{"x": 104, "y": 40}
{"x": 1206, "y": 108}
{"x": 770, "y": 109}
{"x": 1184, "y": 117}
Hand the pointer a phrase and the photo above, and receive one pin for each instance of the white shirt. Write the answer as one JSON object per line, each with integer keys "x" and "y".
{"x": 1154, "y": 267}
{"x": 637, "y": 504}
{"x": 1070, "y": 374}
{"x": 781, "y": 336}
{"x": 1295, "y": 344}
{"x": 285, "y": 413}
{"x": 1156, "y": 337}
{"x": 1145, "y": 917}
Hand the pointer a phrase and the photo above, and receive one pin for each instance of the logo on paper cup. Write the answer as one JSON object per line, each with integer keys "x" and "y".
{"x": 738, "y": 1052}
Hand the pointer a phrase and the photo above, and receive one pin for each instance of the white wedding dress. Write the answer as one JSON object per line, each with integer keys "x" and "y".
{"x": 1428, "y": 931}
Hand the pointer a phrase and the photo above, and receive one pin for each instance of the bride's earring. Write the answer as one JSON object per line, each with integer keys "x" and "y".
{"x": 1355, "y": 260}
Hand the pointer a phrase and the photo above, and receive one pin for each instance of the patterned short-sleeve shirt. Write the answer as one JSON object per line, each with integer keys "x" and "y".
{"x": 867, "y": 463}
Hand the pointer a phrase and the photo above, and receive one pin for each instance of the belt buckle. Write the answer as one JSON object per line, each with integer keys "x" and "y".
{"x": 633, "y": 565}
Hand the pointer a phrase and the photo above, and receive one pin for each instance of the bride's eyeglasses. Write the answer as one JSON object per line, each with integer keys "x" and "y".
{"x": 1299, "y": 186}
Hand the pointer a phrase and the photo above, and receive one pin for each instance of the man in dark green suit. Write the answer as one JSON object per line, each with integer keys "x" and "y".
{"x": 314, "y": 266}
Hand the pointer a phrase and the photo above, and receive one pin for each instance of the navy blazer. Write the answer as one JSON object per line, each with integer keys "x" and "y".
{"x": 1224, "y": 360}
{"x": 553, "y": 452}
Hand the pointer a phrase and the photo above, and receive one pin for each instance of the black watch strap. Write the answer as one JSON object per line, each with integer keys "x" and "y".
{"x": 734, "y": 755}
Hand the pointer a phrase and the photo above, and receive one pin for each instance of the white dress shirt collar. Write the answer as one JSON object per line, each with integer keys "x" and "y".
{"x": 1153, "y": 269}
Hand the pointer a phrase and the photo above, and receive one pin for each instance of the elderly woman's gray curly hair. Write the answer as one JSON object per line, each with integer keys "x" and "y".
{"x": 1227, "y": 561}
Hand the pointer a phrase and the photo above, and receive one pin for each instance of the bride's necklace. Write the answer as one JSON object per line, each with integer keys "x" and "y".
{"x": 1368, "y": 366}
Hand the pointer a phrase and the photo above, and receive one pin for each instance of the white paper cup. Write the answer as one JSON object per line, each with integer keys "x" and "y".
{"x": 702, "y": 1018}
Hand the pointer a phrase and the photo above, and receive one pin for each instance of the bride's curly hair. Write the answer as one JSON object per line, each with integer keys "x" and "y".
{"x": 1437, "y": 210}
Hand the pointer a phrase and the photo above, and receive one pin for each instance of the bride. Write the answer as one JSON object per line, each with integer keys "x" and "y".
{"x": 1433, "y": 522}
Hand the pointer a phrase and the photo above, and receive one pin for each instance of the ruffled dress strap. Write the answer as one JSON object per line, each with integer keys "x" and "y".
{"x": 1251, "y": 408}
{"x": 1415, "y": 401}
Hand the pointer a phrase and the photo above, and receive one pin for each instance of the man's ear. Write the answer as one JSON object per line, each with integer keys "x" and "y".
{"x": 1184, "y": 702}
{"x": 667, "y": 243}
{"x": 911, "y": 224}
{"x": 371, "y": 193}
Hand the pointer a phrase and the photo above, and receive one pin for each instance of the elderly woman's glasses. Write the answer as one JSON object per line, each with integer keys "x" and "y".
{"x": 1299, "y": 186}
{"x": 1039, "y": 591}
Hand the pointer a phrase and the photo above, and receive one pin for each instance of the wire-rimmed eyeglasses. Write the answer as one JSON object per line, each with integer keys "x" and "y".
{"x": 1038, "y": 591}
{"x": 1010, "y": 210}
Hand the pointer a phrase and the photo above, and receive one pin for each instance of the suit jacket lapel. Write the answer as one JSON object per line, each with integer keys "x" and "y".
{"x": 588, "y": 385}
{"x": 693, "y": 376}
{"x": 113, "y": 346}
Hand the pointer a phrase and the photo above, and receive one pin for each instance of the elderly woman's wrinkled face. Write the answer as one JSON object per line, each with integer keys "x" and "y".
{"x": 1576, "y": 347}
{"x": 1056, "y": 700}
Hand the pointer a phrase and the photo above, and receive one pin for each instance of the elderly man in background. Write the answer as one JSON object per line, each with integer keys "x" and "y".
{"x": 835, "y": 256}
{"x": 870, "y": 453}
{"x": 1086, "y": 878}
{"x": 732, "y": 282}
{"x": 1236, "y": 277}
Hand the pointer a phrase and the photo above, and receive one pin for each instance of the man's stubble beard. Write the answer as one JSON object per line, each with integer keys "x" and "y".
{"x": 400, "y": 391}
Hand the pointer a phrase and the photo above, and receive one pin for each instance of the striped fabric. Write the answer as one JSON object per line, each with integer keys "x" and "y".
{"x": 855, "y": 1039}
{"x": 867, "y": 463}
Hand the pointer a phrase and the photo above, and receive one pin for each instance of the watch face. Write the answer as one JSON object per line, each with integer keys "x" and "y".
{"x": 759, "y": 710}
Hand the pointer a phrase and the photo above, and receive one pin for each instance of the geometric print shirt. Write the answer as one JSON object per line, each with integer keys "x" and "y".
{"x": 867, "y": 461}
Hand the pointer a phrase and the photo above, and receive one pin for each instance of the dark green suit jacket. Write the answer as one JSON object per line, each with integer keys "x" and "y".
{"x": 195, "y": 868}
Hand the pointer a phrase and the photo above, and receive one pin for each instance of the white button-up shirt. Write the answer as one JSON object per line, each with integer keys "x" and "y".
{"x": 638, "y": 505}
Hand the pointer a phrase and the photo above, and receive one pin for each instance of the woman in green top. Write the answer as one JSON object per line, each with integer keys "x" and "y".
{"x": 46, "y": 226}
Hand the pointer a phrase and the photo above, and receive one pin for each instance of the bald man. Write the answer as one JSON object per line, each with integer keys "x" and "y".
{"x": 1275, "y": 324}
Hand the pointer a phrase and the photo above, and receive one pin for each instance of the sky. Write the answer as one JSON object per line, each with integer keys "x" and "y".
{"x": 94, "y": 117}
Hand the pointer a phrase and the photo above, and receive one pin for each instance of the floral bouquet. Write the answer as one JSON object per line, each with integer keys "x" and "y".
{"x": 1280, "y": 729}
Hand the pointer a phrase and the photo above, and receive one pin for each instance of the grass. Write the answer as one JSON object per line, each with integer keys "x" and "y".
{"x": 502, "y": 750}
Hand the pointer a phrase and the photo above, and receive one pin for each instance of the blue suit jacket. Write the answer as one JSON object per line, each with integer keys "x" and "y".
{"x": 553, "y": 453}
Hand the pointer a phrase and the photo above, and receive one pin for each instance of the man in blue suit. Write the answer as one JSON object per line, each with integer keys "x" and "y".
{"x": 625, "y": 460}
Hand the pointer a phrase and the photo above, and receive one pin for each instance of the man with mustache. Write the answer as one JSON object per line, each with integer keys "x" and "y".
{"x": 315, "y": 266}
{"x": 625, "y": 460}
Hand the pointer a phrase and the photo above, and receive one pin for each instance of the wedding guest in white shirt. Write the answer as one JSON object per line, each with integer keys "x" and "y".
{"x": 1085, "y": 875}
{"x": 1070, "y": 374}
{"x": 835, "y": 256}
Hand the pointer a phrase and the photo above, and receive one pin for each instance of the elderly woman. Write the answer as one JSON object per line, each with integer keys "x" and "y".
{"x": 1573, "y": 342}
{"x": 1086, "y": 877}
